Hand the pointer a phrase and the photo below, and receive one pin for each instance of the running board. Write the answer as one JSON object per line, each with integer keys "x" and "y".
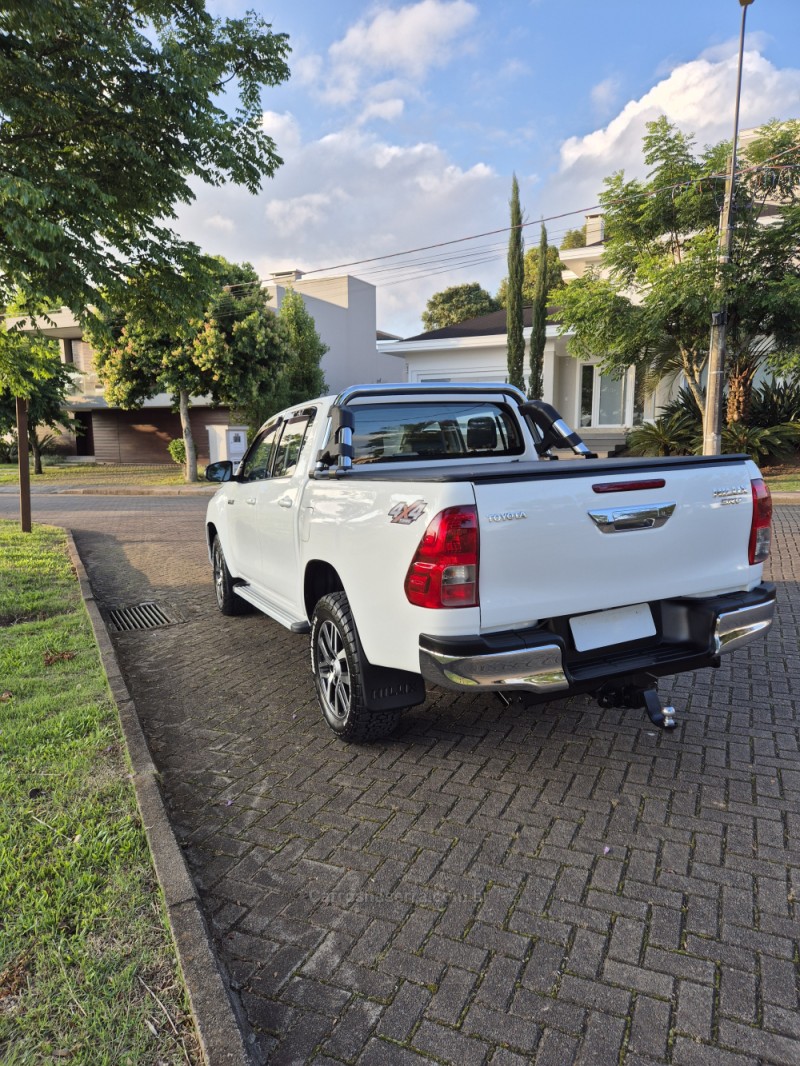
{"x": 271, "y": 608}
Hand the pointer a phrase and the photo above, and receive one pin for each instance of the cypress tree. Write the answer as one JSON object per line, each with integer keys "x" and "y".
{"x": 539, "y": 323}
{"x": 516, "y": 274}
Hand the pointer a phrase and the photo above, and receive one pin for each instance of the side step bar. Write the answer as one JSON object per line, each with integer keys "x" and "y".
{"x": 269, "y": 607}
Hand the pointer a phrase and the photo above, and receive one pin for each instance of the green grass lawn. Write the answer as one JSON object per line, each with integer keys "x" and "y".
{"x": 87, "y": 969}
{"x": 98, "y": 475}
{"x": 783, "y": 478}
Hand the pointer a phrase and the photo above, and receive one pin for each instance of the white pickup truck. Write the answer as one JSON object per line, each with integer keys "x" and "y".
{"x": 424, "y": 534}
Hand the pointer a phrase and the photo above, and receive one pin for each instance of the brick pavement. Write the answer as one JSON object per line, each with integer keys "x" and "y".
{"x": 563, "y": 885}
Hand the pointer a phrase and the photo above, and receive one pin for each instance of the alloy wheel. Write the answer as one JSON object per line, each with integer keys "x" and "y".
{"x": 333, "y": 671}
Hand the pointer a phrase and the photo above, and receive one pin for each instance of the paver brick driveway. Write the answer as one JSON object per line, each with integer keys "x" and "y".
{"x": 492, "y": 885}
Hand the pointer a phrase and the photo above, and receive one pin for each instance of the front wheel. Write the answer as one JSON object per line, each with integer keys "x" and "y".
{"x": 337, "y": 666}
{"x": 227, "y": 600}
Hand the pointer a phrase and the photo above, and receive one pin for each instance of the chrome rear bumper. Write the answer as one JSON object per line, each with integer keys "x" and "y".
{"x": 736, "y": 628}
{"x": 693, "y": 633}
{"x": 538, "y": 669}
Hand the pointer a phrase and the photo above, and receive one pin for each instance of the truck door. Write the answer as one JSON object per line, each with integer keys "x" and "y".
{"x": 275, "y": 514}
{"x": 242, "y": 495}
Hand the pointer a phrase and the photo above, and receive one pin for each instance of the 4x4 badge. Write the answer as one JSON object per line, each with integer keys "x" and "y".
{"x": 403, "y": 514}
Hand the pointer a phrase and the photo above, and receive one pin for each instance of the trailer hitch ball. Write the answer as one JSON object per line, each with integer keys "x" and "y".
{"x": 658, "y": 715}
{"x": 637, "y": 694}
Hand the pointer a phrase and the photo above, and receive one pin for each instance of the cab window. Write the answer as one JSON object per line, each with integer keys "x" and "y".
{"x": 290, "y": 446}
{"x": 257, "y": 464}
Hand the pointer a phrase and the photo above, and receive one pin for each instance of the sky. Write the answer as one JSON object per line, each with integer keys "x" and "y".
{"x": 402, "y": 124}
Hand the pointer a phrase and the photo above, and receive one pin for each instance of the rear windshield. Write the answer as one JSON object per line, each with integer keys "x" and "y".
{"x": 453, "y": 429}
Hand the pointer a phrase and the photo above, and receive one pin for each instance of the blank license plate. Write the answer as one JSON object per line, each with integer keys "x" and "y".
{"x": 604, "y": 628}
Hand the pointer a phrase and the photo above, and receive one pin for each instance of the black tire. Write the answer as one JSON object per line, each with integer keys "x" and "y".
{"x": 337, "y": 666}
{"x": 227, "y": 600}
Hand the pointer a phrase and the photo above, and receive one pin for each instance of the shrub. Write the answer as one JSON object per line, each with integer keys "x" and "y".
{"x": 8, "y": 449}
{"x": 774, "y": 403}
{"x": 670, "y": 435}
{"x": 685, "y": 406}
{"x": 764, "y": 445}
{"x": 177, "y": 451}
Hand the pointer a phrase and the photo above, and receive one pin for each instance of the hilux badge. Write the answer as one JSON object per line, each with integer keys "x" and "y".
{"x": 732, "y": 495}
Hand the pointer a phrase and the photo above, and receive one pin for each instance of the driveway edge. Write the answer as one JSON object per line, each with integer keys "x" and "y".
{"x": 214, "y": 1016}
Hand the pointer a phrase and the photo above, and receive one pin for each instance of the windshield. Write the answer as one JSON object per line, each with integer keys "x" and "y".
{"x": 438, "y": 429}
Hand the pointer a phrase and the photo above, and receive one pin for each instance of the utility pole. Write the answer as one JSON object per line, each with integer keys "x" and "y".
{"x": 712, "y": 437}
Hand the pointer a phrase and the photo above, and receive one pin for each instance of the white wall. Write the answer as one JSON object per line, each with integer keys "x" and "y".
{"x": 343, "y": 309}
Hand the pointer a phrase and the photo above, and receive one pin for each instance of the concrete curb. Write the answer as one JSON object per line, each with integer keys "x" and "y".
{"x": 214, "y": 1016}
{"x": 135, "y": 490}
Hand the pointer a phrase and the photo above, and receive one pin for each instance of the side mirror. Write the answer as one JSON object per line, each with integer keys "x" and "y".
{"x": 222, "y": 471}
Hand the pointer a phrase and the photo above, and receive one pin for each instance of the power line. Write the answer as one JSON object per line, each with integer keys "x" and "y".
{"x": 765, "y": 165}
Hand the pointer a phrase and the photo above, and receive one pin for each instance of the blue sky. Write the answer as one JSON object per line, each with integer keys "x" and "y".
{"x": 403, "y": 122}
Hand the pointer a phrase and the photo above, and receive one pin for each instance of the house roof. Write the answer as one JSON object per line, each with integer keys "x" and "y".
{"x": 495, "y": 323}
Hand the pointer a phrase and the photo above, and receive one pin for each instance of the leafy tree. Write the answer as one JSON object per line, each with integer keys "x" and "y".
{"x": 653, "y": 310}
{"x": 574, "y": 238}
{"x": 553, "y": 278}
{"x": 539, "y": 324}
{"x": 46, "y": 392}
{"x": 457, "y": 304}
{"x": 300, "y": 377}
{"x": 111, "y": 110}
{"x": 222, "y": 341}
{"x": 514, "y": 328}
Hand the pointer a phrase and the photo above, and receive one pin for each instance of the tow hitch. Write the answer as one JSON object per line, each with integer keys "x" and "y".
{"x": 641, "y": 694}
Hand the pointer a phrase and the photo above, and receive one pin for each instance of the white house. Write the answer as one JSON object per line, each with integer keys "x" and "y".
{"x": 602, "y": 408}
{"x": 343, "y": 309}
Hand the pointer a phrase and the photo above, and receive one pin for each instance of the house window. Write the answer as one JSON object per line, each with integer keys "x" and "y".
{"x": 603, "y": 399}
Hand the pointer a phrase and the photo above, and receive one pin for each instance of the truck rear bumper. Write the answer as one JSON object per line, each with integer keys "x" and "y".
{"x": 543, "y": 661}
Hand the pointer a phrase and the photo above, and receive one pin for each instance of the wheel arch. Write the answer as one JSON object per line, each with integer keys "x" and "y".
{"x": 319, "y": 579}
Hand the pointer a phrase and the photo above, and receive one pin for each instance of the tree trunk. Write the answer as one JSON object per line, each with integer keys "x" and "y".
{"x": 190, "y": 470}
{"x": 24, "y": 470}
{"x": 36, "y": 451}
{"x": 740, "y": 394}
{"x": 693, "y": 381}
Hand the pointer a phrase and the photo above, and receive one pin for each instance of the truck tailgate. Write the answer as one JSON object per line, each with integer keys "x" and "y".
{"x": 563, "y": 544}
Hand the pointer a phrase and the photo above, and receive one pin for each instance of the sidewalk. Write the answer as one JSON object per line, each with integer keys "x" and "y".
{"x": 490, "y": 885}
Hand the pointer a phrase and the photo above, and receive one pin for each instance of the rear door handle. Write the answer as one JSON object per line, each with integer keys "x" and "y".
{"x": 285, "y": 501}
{"x": 637, "y": 516}
{"x": 251, "y": 500}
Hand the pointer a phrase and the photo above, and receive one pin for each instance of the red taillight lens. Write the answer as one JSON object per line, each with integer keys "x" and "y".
{"x": 760, "y": 527}
{"x": 444, "y": 571}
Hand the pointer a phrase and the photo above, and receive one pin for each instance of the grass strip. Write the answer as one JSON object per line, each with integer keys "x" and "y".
{"x": 96, "y": 475}
{"x": 88, "y": 972}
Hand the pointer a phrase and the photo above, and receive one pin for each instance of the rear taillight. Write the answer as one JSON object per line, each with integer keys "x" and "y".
{"x": 444, "y": 571}
{"x": 760, "y": 527}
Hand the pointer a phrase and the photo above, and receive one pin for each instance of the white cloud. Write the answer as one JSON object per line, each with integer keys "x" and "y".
{"x": 298, "y": 213}
{"x": 282, "y": 127}
{"x": 220, "y": 224}
{"x": 697, "y": 97}
{"x": 349, "y": 196}
{"x": 406, "y": 41}
{"x": 604, "y": 94}
{"x": 384, "y": 109}
{"x": 755, "y": 41}
{"x": 306, "y": 70}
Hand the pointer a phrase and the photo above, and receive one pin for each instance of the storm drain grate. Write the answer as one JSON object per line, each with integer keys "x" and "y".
{"x": 142, "y": 616}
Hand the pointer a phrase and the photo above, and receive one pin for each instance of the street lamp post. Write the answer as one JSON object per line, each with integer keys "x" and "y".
{"x": 716, "y": 348}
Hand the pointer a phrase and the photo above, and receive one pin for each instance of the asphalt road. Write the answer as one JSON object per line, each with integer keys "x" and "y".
{"x": 565, "y": 885}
